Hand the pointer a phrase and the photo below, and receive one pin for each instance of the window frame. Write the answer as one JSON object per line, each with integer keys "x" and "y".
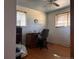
{"x": 16, "y": 17}
{"x": 56, "y": 19}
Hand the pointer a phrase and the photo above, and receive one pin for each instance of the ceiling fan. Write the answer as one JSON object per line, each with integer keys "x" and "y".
{"x": 52, "y": 2}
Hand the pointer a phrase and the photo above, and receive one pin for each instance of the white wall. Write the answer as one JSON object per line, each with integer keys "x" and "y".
{"x": 58, "y": 35}
{"x": 31, "y": 26}
{"x": 10, "y": 29}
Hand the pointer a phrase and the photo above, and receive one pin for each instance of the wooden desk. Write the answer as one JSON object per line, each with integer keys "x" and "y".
{"x": 31, "y": 40}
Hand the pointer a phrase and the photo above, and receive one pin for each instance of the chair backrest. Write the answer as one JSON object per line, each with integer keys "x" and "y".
{"x": 44, "y": 33}
{"x": 18, "y": 34}
{"x": 18, "y": 29}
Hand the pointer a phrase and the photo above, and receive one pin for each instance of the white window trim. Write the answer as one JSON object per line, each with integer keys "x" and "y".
{"x": 63, "y": 25}
{"x": 25, "y": 20}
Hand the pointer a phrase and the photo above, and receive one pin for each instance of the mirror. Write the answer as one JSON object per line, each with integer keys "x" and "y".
{"x": 43, "y": 29}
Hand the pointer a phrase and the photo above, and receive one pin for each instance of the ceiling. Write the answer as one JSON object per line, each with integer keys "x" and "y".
{"x": 41, "y": 5}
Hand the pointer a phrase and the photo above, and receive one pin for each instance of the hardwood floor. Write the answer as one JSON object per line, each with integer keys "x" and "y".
{"x": 53, "y": 52}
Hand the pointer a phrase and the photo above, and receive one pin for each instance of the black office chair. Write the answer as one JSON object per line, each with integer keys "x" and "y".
{"x": 18, "y": 34}
{"x": 18, "y": 41}
{"x": 42, "y": 39}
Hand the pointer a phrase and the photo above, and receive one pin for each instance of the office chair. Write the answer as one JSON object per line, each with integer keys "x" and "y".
{"x": 42, "y": 39}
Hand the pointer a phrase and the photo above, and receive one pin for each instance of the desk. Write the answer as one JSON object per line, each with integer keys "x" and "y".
{"x": 31, "y": 40}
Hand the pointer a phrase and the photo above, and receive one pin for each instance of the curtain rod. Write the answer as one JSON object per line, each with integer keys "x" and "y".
{"x": 21, "y": 11}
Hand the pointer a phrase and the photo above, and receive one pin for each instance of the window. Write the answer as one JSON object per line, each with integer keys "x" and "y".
{"x": 62, "y": 20}
{"x": 21, "y": 18}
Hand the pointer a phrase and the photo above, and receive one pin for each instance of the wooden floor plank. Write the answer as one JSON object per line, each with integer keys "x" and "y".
{"x": 53, "y": 52}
